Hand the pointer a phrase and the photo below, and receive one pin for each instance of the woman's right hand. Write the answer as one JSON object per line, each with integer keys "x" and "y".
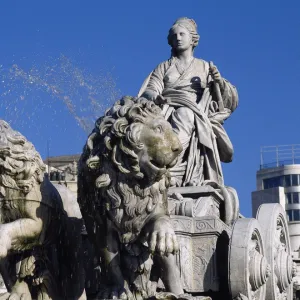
{"x": 161, "y": 100}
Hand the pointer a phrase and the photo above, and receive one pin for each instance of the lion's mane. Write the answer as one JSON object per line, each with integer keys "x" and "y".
{"x": 20, "y": 164}
{"x": 111, "y": 155}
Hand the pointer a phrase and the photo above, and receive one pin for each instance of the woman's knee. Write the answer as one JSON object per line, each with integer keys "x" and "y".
{"x": 185, "y": 113}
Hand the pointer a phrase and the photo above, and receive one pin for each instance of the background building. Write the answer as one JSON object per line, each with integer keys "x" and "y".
{"x": 278, "y": 181}
{"x": 63, "y": 170}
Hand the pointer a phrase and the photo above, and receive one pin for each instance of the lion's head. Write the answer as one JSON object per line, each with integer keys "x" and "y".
{"x": 129, "y": 152}
{"x": 135, "y": 138}
{"x": 21, "y": 166}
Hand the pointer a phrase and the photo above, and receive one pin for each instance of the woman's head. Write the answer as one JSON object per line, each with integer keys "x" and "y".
{"x": 185, "y": 29}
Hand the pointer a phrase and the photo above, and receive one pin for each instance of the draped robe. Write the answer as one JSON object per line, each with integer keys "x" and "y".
{"x": 194, "y": 114}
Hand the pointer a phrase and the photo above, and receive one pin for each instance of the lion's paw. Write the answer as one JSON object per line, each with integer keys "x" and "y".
{"x": 162, "y": 238}
{"x": 15, "y": 296}
{"x": 20, "y": 291}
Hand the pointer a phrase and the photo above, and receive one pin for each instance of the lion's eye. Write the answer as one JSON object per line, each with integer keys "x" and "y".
{"x": 158, "y": 129}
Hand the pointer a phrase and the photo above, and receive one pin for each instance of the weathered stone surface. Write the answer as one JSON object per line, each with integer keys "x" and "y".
{"x": 272, "y": 218}
{"x": 197, "y": 258}
{"x": 195, "y": 201}
{"x": 248, "y": 268}
{"x": 197, "y": 100}
{"x": 123, "y": 181}
{"x": 40, "y": 226}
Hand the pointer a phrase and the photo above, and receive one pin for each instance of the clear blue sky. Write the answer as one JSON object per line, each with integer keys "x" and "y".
{"x": 255, "y": 44}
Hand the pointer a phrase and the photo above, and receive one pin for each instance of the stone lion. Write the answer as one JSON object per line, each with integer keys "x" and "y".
{"x": 122, "y": 183}
{"x": 40, "y": 226}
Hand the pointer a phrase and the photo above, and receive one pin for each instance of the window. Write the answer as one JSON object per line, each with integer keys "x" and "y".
{"x": 273, "y": 182}
{"x": 295, "y": 180}
{"x": 295, "y": 197}
{"x": 296, "y": 215}
{"x": 288, "y": 197}
{"x": 287, "y": 180}
{"x": 292, "y": 198}
{"x": 293, "y": 215}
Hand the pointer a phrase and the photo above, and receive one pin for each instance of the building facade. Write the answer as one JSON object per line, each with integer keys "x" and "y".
{"x": 63, "y": 170}
{"x": 281, "y": 185}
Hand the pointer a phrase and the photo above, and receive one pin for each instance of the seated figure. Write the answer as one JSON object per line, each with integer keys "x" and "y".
{"x": 196, "y": 101}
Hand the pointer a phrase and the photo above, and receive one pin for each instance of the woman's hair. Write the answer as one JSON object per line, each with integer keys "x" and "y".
{"x": 190, "y": 25}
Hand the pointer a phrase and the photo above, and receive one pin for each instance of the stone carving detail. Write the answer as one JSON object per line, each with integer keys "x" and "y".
{"x": 200, "y": 262}
{"x": 207, "y": 224}
{"x": 182, "y": 225}
{"x": 196, "y": 100}
{"x": 284, "y": 262}
{"x": 185, "y": 262}
{"x": 123, "y": 180}
{"x": 248, "y": 268}
{"x": 259, "y": 270}
{"x": 199, "y": 270}
{"x": 273, "y": 219}
{"x": 204, "y": 264}
{"x": 186, "y": 86}
{"x": 39, "y": 224}
{"x": 203, "y": 206}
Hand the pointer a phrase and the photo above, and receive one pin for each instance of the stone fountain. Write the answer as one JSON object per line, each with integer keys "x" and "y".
{"x": 153, "y": 218}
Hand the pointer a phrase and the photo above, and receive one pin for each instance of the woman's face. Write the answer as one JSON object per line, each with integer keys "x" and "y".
{"x": 181, "y": 39}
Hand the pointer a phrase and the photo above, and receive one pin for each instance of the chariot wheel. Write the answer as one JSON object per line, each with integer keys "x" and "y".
{"x": 272, "y": 219}
{"x": 248, "y": 267}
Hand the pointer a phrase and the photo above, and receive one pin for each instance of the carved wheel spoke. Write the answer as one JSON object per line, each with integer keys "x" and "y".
{"x": 272, "y": 219}
{"x": 248, "y": 268}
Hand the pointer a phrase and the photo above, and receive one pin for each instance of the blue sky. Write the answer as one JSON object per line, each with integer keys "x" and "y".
{"x": 111, "y": 46}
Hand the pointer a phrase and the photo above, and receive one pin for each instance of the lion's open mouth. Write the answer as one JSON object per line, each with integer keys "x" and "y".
{"x": 173, "y": 163}
{"x": 157, "y": 164}
{"x": 163, "y": 165}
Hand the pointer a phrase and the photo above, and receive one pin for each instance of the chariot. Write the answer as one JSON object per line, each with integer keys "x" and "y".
{"x": 249, "y": 260}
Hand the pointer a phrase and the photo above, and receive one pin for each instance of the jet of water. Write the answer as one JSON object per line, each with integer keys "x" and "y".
{"x": 59, "y": 81}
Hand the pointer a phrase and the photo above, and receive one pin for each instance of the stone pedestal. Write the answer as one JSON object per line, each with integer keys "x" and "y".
{"x": 199, "y": 240}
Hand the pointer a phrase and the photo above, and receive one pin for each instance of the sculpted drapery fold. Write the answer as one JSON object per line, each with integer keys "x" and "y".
{"x": 194, "y": 114}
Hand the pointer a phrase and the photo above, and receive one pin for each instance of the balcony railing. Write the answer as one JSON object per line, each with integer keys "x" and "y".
{"x": 278, "y": 156}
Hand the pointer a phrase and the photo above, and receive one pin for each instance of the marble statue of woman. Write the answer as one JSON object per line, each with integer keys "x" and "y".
{"x": 196, "y": 101}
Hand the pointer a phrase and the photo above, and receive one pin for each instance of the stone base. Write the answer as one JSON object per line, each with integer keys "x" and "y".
{"x": 202, "y": 241}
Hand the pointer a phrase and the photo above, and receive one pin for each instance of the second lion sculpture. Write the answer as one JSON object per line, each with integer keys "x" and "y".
{"x": 40, "y": 227}
{"x": 122, "y": 183}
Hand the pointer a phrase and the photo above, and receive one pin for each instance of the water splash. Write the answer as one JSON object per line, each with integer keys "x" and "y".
{"x": 28, "y": 95}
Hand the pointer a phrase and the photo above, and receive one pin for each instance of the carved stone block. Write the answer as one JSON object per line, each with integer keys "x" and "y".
{"x": 194, "y": 201}
{"x": 197, "y": 258}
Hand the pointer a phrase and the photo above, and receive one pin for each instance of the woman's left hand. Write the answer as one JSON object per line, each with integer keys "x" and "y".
{"x": 219, "y": 117}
